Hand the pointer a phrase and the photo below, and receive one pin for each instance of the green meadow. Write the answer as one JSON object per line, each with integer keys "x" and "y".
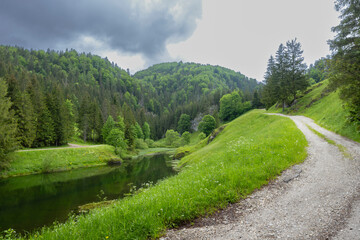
{"x": 61, "y": 159}
{"x": 248, "y": 153}
{"x": 326, "y": 108}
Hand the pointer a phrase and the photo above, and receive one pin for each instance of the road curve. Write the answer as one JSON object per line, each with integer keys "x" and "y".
{"x": 318, "y": 199}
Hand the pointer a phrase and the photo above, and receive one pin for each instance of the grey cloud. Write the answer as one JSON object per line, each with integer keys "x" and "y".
{"x": 140, "y": 26}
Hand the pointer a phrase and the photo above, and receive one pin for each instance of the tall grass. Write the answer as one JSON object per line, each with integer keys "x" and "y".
{"x": 326, "y": 109}
{"x": 249, "y": 152}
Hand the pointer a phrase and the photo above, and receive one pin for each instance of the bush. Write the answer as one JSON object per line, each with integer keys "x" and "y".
{"x": 202, "y": 136}
{"x": 171, "y": 137}
{"x": 185, "y": 138}
{"x": 150, "y": 143}
{"x": 140, "y": 144}
{"x": 207, "y": 124}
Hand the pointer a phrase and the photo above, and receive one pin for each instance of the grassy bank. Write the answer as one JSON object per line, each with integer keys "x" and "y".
{"x": 41, "y": 161}
{"x": 249, "y": 152}
{"x": 326, "y": 109}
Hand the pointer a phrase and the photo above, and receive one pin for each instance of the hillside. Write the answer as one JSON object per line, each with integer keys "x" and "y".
{"x": 326, "y": 108}
{"x": 256, "y": 145}
{"x": 40, "y": 82}
{"x": 190, "y": 88}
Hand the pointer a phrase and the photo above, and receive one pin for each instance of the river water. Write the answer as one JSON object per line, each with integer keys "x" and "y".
{"x": 30, "y": 202}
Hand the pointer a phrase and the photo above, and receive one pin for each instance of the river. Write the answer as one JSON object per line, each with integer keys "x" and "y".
{"x": 30, "y": 202}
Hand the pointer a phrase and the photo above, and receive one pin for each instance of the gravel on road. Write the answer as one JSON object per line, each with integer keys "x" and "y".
{"x": 318, "y": 199}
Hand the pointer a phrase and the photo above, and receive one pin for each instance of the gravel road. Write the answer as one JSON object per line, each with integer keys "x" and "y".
{"x": 318, "y": 199}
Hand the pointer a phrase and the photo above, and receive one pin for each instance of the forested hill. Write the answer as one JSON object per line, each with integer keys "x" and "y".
{"x": 49, "y": 88}
{"x": 182, "y": 83}
{"x": 189, "y": 88}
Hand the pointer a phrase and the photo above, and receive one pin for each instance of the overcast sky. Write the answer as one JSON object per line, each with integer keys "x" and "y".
{"x": 237, "y": 34}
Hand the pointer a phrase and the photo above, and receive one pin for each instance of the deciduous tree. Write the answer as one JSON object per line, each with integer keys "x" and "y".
{"x": 207, "y": 124}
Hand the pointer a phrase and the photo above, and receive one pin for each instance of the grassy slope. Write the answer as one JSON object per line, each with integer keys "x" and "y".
{"x": 250, "y": 151}
{"x": 326, "y": 109}
{"x": 29, "y": 162}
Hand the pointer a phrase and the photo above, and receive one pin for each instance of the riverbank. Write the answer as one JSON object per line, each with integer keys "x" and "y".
{"x": 34, "y": 161}
{"x": 249, "y": 152}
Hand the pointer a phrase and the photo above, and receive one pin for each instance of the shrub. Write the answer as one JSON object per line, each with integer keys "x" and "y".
{"x": 140, "y": 144}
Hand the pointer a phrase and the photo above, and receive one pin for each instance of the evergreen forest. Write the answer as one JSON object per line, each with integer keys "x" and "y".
{"x": 51, "y": 97}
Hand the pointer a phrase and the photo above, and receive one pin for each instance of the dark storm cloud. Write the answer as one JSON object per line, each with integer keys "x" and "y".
{"x": 141, "y": 26}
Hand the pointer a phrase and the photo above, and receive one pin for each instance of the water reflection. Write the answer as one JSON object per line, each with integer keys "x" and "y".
{"x": 33, "y": 201}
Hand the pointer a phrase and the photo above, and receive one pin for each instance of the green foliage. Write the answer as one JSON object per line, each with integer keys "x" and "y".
{"x": 202, "y": 136}
{"x": 108, "y": 126}
{"x": 184, "y": 124}
{"x": 232, "y": 106}
{"x": 58, "y": 159}
{"x": 116, "y": 138}
{"x": 187, "y": 88}
{"x": 326, "y": 108}
{"x": 140, "y": 144}
{"x": 139, "y": 132}
{"x": 256, "y": 102}
{"x": 150, "y": 142}
{"x": 345, "y": 64}
{"x": 285, "y": 75}
{"x": 146, "y": 130}
{"x": 207, "y": 124}
{"x": 68, "y": 120}
{"x": 8, "y": 234}
{"x": 252, "y": 150}
{"x": 171, "y": 137}
{"x": 8, "y": 141}
{"x": 319, "y": 71}
{"x": 97, "y": 88}
{"x": 186, "y": 137}
{"x": 130, "y": 136}
{"x": 120, "y": 123}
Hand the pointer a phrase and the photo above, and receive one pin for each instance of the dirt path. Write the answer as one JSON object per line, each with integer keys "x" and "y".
{"x": 70, "y": 145}
{"x": 319, "y": 199}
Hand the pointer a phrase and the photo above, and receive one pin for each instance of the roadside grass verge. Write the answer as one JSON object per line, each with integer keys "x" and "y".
{"x": 251, "y": 150}
{"x": 326, "y": 109}
{"x": 42, "y": 161}
{"x": 341, "y": 148}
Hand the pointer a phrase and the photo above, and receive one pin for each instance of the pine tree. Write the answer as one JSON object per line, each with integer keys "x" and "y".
{"x": 24, "y": 112}
{"x": 68, "y": 120}
{"x": 108, "y": 126}
{"x": 8, "y": 141}
{"x": 297, "y": 69}
{"x": 120, "y": 123}
{"x": 345, "y": 64}
{"x": 281, "y": 75}
{"x": 139, "y": 132}
{"x": 285, "y": 75}
{"x": 184, "y": 123}
{"x": 271, "y": 87}
{"x": 130, "y": 135}
{"x": 45, "y": 134}
{"x": 26, "y": 120}
{"x": 54, "y": 104}
{"x": 256, "y": 103}
{"x": 146, "y": 130}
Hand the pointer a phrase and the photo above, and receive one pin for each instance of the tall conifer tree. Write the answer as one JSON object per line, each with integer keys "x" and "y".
{"x": 8, "y": 141}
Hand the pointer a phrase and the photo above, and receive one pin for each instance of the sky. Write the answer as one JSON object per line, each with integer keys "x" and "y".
{"x": 236, "y": 34}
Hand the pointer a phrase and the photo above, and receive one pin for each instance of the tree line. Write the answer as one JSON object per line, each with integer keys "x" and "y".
{"x": 286, "y": 74}
{"x": 50, "y": 97}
